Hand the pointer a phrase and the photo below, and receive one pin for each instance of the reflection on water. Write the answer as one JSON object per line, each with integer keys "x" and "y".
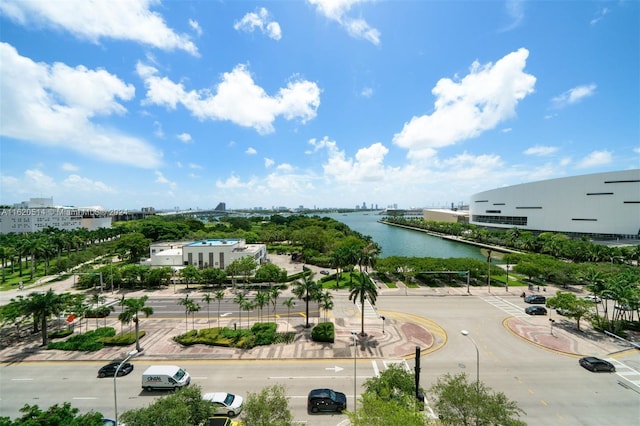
{"x": 396, "y": 241}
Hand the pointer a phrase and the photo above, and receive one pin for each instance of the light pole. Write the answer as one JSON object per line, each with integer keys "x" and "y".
{"x": 466, "y": 334}
{"x": 355, "y": 357}
{"x": 489, "y": 271}
{"x": 506, "y": 285}
{"x": 551, "y": 322}
{"x": 115, "y": 389}
{"x": 382, "y": 317}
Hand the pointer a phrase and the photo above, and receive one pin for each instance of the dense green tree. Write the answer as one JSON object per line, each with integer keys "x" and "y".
{"x": 55, "y": 415}
{"x": 42, "y": 306}
{"x": 135, "y": 244}
{"x": 182, "y": 408}
{"x": 190, "y": 274}
{"x": 376, "y": 411}
{"x": 214, "y": 276}
{"x": 270, "y": 273}
{"x": 459, "y": 402}
{"x": 574, "y": 308}
{"x": 259, "y": 408}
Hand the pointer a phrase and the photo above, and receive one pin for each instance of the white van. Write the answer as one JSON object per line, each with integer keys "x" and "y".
{"x": 164, "y": 377}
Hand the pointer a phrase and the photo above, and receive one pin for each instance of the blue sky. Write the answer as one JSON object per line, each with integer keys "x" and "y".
{"x": 318, "y": 103}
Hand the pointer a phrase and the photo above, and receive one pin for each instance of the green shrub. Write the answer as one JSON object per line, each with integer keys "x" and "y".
{"x": 61, "y": 333}
{"x": 323, "y": 332}
{"x": 90, "y": 341}
{"x": 123, "y": 339}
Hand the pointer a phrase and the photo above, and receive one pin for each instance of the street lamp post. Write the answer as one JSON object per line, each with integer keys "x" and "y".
{"x": 466, "y": 334}
{"x": 551, "y": 322}
{"x": 382, "y": 317}
{"x": 489, "y": 271}
{"x": 506, "y": 285}
{"x": 115, "y": 389}
{"x": 355, "y": 355}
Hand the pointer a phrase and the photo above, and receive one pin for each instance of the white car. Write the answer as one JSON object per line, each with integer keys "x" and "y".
{"x": 225, "y": 403}
{"x": 593, "y": 298}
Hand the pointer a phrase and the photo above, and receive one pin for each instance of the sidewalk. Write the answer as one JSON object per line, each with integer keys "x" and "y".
{"x": 401, "y": 334}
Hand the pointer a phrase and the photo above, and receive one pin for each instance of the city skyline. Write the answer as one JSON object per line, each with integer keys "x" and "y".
{"x": 321, "y": 104}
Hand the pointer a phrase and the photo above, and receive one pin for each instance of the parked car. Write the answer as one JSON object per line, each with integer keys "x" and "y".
{"x": 324, "y": 272}
{"x": 622, "y": 307}
{"x": 535, "y": 310}
{"x": 593, "y": 298}
{"x": 594, "y": 364}
{"x": 563, "y": 312}
{"x": 110, "y": 369}
{"x": 225, "y": 403}
{"x": 326, "y": 400}
{"x": 535, "y": 298}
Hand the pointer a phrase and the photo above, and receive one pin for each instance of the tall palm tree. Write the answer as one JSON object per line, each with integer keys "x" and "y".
{"x": 306, "y": 289}
{"x": 327, "y": 303}
{"x": 42, "y": 306}
{"x": 131, "y": 311}
{"x": 207, "y": 299}
{"x": 274, "y": 293}
{"x": 289, "y": 303}
{"x": 219, "y": 295}
{"x": 363, "y": 289}
{"x": 186, "y": 303}
{"x": 247, "y": 305}
{"x": 240, "y": 299}
{"x": 260, "y": 301}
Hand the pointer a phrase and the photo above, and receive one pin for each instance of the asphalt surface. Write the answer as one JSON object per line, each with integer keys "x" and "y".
{"x": 397, "y": 339}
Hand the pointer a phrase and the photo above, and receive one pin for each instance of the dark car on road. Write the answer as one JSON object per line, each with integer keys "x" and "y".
{"x": 535, "y": 298}
{"x": 535, "y": 310}
{"x": 594, "y": 364}
{"x": 110, "y": 369}
{"x": 326, "y": 400}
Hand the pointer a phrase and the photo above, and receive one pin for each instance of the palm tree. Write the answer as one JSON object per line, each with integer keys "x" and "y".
{"x": 306, "y": 289}
{"x": 207, "y": 299}
{"x": 247, "y": 305}
{"x": 361, "y": 290}
{"x": 240, "y": 299}
{"x": 42, "y": 306}
{"x": 185, "y": 302}
{"x": 274, "y": 293}
{"x": 289, "y": 303}
{"x": 131, "y": 311}
{"x": 327, "y": 303}
{"x": 260, "y": 301}
{"x": 219, "y": 295}
{"x": 193, "y": 307}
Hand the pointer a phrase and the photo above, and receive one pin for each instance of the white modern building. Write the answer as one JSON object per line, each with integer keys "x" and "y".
{"x": 38, "y": 214}
{"x": 600, "y": 205}
{"x": 214, "y": 253}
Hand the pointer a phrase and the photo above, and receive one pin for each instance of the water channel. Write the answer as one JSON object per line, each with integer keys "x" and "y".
{"x": 396, "y": 241}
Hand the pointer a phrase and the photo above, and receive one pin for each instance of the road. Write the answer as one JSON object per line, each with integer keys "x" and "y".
{"x": 549, "y": 386}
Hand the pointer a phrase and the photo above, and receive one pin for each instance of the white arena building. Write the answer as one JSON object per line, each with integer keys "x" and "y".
{"x": 600, "y": 205}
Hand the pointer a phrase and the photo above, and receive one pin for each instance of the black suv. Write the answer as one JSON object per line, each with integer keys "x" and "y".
{"x": 326, "y": 400}
{"x": 110, "y": 369}
{"x": 535, "y": 298}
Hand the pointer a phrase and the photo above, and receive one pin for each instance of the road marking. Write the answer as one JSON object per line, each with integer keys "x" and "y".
{"x": 505, "y": 306}
{"x": 84, "y": 397}
{"x": 335, "y": 369}
{"x": 315, "y": 377}
{"x": 21, "y": 380}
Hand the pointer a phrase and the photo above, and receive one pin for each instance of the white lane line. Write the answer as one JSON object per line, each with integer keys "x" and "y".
{"x": 21, "y": 380}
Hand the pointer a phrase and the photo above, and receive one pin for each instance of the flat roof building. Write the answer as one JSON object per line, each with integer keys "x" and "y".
{"x": 599, "y": 205}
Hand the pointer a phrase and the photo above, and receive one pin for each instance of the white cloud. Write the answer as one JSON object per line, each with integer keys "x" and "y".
{"x": 160, "y": 178}
{"x": 68, "y": 167}
{"x": 337, "y": 10}
{"x": 101, "y": 19}
{"x": 366, "y": 92}
{"x": 574, "y": 95}
{"x": 159, "y": 131}
{"x": 251, "y": 151}
{"x": 55, "y": 105}
{"x": 464, "y": 109}
{"x": 237, "y": 99}
{"x": 284, "y": 167}
{"x": 76, "y": 183}
{"x": 268, "y": 162}
{"x": 600, "y": 14}
{"x": 195, "y": 166}
{"x": 34, "y": 181}
{"x": 515, "y": 11}
{"x": 259, "y": 19}
{"x": 195, "y": 26}
{"x": 540, "y": 150}
{"x": 595, "y": 159}
{"x": 367, "y": 165}
{"x": 185, "y": 137}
